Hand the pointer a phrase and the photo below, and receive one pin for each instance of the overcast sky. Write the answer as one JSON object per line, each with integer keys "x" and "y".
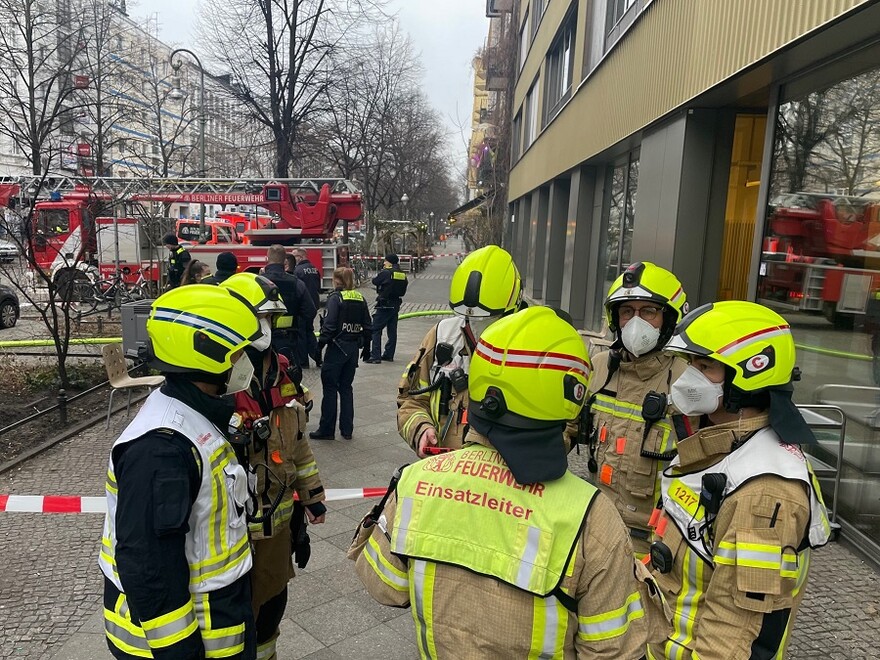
{"x": 446, "y": 33}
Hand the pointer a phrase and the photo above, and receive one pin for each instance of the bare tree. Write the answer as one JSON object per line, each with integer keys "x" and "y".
{"x": 282, "y": 55}
{"x": 847, "y": 159}
{"x": 39, "y": 42}
{"x": 102, "y": 104}
{"x": 55, "y": 293}
{"x": 167, "y": 145}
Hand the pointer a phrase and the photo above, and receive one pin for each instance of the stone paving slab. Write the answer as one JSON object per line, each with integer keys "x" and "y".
{"x": 50, "y": 584}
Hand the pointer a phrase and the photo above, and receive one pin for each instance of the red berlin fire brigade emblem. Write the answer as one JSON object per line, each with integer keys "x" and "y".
{"x": 439, "y": 463}
{"x": 758, "y": 363}
{"x": 202, "y": 439}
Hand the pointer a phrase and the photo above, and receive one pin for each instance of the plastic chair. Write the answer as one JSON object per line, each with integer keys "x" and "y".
{"x": 117, "y": 373}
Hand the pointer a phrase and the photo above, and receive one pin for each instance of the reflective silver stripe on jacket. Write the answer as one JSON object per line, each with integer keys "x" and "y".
{"x": 529, "y": 557}
{"x": 419, "y": 567}
{"x": 402, "y": 528}
{"x": 163, "y": 632}
{"x": 370, "y": 549}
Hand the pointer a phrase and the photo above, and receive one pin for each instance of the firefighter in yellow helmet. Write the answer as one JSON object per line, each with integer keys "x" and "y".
{"x": 741, "y": 508}
{"x": 271, "y": 422}
{"x": 500, "y": 550}
{"x": 433, "y": 393}
{"x": 175, "y": 553}
{"x": 627, "y": 422}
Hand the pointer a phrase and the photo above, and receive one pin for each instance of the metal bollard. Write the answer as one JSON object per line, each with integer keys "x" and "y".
{"x": 100, "y": 325}
{"x": 62, "y": 406}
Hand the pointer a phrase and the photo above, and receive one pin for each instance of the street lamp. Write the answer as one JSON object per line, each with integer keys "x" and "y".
{"x": 431, "y": 227}
{"x": 177, "y": 95}
{"x": 405, "y": 200}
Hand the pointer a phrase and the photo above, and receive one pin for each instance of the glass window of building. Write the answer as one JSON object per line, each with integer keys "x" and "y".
{"x": 560, "y": 67}
{"x": 617, "y": 10}
{"x": 820, "y": 268}
{"x": 531, "y": 117}
{"x": 538, "y": 7}
{"x": 622, "y": 185}
{"x": 516, "y": 138}
{"x": 524, "y": 38}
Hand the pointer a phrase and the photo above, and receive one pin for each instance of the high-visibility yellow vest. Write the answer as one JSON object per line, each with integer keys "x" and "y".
{"x": 217, "y": 548}
{"x": 464, "y": 508}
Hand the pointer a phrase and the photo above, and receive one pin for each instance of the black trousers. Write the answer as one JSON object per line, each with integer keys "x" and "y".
{"x": 337, "y": 376}
{"x": 385, "y": 317}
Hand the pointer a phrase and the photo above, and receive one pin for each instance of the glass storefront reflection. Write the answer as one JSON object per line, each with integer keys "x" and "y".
{"x": 820, "y": 269}
{"x": 618, "y": 224}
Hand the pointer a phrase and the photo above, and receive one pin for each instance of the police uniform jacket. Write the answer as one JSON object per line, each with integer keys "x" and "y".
{"x": 388, "y": 289}
{"x": 177, "y": 262}
{"x": 630, "y": 480}
{"x": 293, "y": 293}
{"x": 738, "y": 606}
{"x": 305, "y": 270}
{"x": 415, "y": 412}
{"x": 461, "y": 614}
{"x": 347, "y": 320}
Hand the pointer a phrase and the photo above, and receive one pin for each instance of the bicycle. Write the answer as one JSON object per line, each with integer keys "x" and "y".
{"x": 115, "y": 292}
{"x": 361, "y": 272}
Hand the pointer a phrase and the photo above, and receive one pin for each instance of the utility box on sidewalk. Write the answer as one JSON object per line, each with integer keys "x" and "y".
{"x": 134, "y": 326}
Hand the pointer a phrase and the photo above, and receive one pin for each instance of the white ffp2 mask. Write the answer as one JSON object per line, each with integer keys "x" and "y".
{"x": 265, "y": 341}
{"x": 639, "y": 337}
{"x": 694, "y": 394}
{"x": 240, "y": 375}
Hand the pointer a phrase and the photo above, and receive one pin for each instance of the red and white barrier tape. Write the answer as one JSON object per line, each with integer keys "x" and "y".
{"x": 406, "y": 257}
{"x": 76, "y": 504}
{"x": 446, "y": 254}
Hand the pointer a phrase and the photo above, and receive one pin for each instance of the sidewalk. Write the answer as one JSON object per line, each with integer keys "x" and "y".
{"x": 50, "y": 585}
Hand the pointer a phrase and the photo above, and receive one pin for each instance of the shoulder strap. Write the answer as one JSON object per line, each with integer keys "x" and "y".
{"x": 614, "y": 359}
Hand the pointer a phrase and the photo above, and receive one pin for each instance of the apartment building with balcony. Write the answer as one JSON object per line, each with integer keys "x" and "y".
{"x": 489, "y": 144}
{"x": 122, "y": 115}
{"x": 736, "y": 143}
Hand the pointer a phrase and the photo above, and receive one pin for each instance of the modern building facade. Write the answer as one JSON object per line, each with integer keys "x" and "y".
{"x": 735, "y": 143}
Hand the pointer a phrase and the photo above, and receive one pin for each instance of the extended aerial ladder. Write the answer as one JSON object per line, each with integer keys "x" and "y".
{"x": 305, "y": 207}
{"x": 72, "y": 214}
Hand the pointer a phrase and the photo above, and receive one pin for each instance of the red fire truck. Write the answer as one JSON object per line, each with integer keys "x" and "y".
{"x": 821, "y": 254}
{"x": 244, "y": 221}
{"x": 110, "y": 223}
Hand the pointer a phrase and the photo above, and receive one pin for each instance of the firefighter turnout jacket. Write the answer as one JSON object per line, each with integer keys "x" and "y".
{"x": 737, "y": 577}
{"x": 416, "y": 412}
{"x": 618, "y": 438}
{"x": 279, "y": 467}
{"x": 175, "y": 550}
{"x": 495, "y": 569}
{"x": 285, "y": 461}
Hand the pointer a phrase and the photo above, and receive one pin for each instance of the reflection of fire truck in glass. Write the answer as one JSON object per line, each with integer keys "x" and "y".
{"x": 821, "y": 254}
{"x": 106, "y": 222}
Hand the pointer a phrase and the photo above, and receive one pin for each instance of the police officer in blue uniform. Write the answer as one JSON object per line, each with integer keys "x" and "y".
{"x": 345, "y": 331}
{"x": 306, "y": 272}
{"x": 286, "y": 335}
{"x": 390, "y": 286}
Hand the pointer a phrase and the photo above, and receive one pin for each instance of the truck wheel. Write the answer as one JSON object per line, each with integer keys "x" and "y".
{"x": 835, "y": 318}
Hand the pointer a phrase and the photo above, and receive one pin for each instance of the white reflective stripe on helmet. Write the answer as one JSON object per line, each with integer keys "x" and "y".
{"x": 531, "y": 359}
